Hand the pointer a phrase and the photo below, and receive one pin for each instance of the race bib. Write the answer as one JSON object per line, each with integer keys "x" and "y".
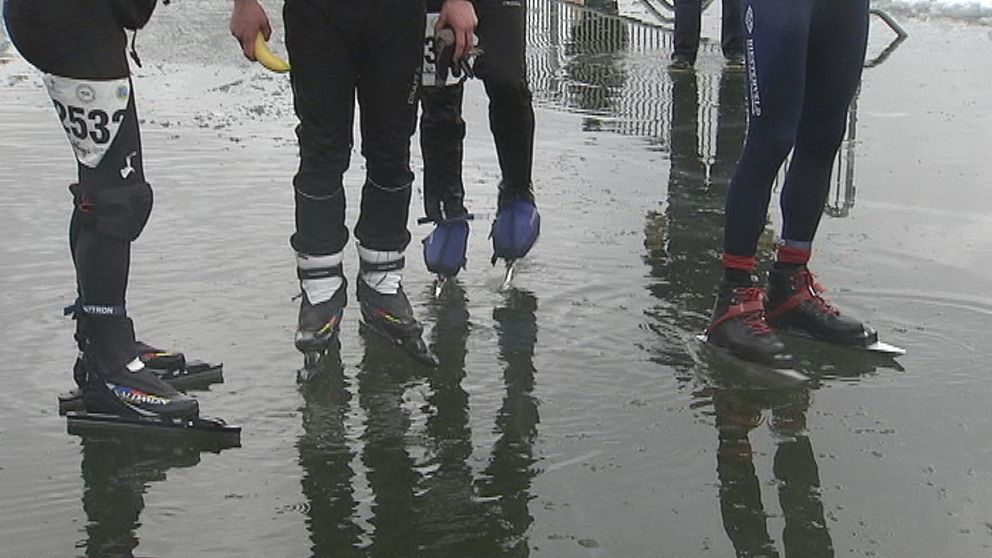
{"x": 91, "y": 112}
{"x": 428, "y": 73}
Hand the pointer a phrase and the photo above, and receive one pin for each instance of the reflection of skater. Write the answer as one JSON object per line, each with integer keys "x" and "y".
{"x": 511, "y": 466}
{"x": 116, "y": 473}
{"x": 694, "y": 201}
{"x": 794, "y": 466}
{"x": 451, "y": 519}
{"x": 325, "y": 458}
{"x": 804, "y": 64}
{"x": 425, "y": 500}
{"x": 502, "y": 68}
{"x": 337, "y": 51}
{"x": 387, "y": 453}
{"x": 680, "y": 239}
{"x": 595, "y": 69}
{"x": 688, "y": 24}
{"x": 80, "y": 46}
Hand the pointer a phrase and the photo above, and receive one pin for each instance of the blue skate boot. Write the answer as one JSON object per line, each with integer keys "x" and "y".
{"x": 515, "y": 229}
{"x": 445, "y": 247}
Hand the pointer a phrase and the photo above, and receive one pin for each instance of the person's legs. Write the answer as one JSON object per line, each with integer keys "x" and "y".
{"x": 442, "y": 132}
{"x": 387, "y": 96}
{"x": 776, "y": 37}
{"x": 732, "y": 30}
{"x": 838, "y": 39}
{"x": 322, "y": 48}
{"x": 836, "y": 54}
{"x": 503, "y": 70}
{"x": 87, "y": 77}
{"x": 776, "y": 47}
{"x": 688, "y": 23}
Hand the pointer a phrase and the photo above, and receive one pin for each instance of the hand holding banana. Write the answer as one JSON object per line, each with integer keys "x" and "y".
{"x": 265, "y": 57}
{"x": 250, "y": 26}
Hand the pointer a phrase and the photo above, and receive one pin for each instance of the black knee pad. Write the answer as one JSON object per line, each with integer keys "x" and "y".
{"x": 120, "y": 212}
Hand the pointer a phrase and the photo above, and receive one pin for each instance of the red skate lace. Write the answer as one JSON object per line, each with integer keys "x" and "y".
{"x": 755, "y": 321}
{"x": 808, "y": 281}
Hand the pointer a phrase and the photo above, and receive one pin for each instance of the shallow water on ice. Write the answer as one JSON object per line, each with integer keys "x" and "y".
{"x": 572, "y": 415}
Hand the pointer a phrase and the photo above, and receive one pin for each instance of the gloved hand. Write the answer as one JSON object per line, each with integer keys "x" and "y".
{"x": 444, "y": 51}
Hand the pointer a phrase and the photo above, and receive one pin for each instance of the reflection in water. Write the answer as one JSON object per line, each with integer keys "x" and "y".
{"x": 450, "y": 520}
{"x": 683, "y": 242}
{"x": 738, "y": 412}
{"x": 508, "y": 476}
{"x": 489, "y": 516}
{"x": 588, "y": 59}
{"x": 325, "y": 457}
{"x": 117, "y": 470}
{"x": 383, "y": 380}
{"x": 596, "y": 62}
{"x": 426, "y": 500}
{"x": 841, "y": 199}
{"x": 682, "y": 251}
{"x": 594, "y": 72}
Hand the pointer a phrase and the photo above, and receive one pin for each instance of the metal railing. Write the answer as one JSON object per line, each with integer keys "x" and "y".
{"x": 589, "y": 59}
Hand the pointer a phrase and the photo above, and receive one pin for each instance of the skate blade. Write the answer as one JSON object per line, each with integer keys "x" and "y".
{"x": 427, "y": 359}
{"x": 885, "y": 349}
{"x": 754, "y": 373}
{"x": 876, "y": 346}
{"x": 508, "y": 276}
{"x": 214, "y": 430}
{"x": 439, "y": 285}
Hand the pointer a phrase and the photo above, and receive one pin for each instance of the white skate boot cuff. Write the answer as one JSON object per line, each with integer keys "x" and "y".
{"x": 384, "y": 282}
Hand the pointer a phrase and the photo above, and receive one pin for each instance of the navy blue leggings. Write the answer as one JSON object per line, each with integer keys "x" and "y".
{"x": 804, "y": 60}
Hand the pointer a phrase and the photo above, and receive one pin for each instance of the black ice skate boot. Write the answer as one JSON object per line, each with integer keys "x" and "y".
{"x": 385, "y": 307}
{"x": 739, "y": 326}
{"x": 319, "y": 323}
{"x": 796, "y": 304}
{"x": 112, "y": 377}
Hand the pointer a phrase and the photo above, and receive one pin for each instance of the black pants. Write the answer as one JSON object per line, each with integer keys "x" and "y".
{"x": 339, "y": 49}
{"x": 502, "y": 67}
{"x": 688, "y": 23}
{"x": 85, "y": 40}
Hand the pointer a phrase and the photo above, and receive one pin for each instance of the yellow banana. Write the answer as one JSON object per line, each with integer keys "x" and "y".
{"x": 265, "y": 57}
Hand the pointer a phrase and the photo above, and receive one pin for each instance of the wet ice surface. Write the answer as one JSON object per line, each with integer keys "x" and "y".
{"x": 573, "y": 415}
